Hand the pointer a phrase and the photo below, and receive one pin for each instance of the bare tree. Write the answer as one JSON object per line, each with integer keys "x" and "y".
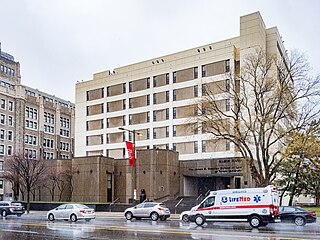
{"x": 29, "y": 173}
{"x": 259, "y": 106}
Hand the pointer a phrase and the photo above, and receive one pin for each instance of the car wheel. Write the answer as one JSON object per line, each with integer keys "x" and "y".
{"x": 154, "y": 216}
{"x": 300, "y": 221}
{"x": 200, "y": 220}
{"x": 51, "y": 217}
{"x": 73, "y": 218}
{"x": 88, "y": 219}
{"x": 4, "y": 213}
{"x": 255, "y": 221}
{"x": 185, "y": 218}
{"x": 129, "y": 215}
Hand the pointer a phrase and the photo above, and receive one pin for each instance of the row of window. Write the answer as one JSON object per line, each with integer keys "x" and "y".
{"x": 7, "y": 70}
{"x": 3, "y": 120}
{"x": 64, "y": 122}
{"x": 48, "y": 129}
{"x": 9, "y": 135}
{"x": 31, "y": 113}
{"x": 30, "y": 139}
{"x": 3, "y": 104}
{"x": 48, "y": 117}
{"x": 9, "y": 150}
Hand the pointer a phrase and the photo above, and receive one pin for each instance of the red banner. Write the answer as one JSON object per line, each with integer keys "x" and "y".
{"x": 130, "y": 153}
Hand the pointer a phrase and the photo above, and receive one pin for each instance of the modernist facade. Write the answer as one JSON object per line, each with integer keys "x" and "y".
{"x": 32, "y": 123}
{"x": 159, "y": 99}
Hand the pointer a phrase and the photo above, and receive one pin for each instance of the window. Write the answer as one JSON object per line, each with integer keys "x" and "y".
{"x": 154, "y": 116}
{"x": 9, "y": 150}
{"x": 108, "y": 91}
{"x": 123, "y": 88}
{"x": 167, "y": 131}
{"x": 10, "y": 106}
{"x": 167, "y": 113}
{"x": 154, "y": 133}
{"x": 167, "y": 96}
{"x": 174, "y": 77}
{"x": 204, "y": 71}
{"x": 155, "y": 81}
{"x": 108, "y": 107}
{"x": 148, "y": 82}
{"x": 195, "y": 147}
{"x": 167, "y": 78}
{"x": 2, "y": 118}
{"x": 228, "y": 85}
{"x": 174, "y": 146}
{"x": 174, "y": 95}
{"x": 10, "y": 135}
{"x": 1, "y": 184}
{"x": 195, "y": 72}
{"x": 2, "y": 134}
{"x": 2, "y": 103}
{"x": 130, "y": 86}
{"x": 123, "y": 104}
{"x": 195, "y": 91}
{"x": 174, "y": 113}
{"x": 130, "y": 119}
{"x": 130, "y": 102}
{"x": 148, "y": 133}
{"x": 1, "y": 165}
{"x": 208, "y": 203}
{"x": 148, "y": 100}
{"x": 228, "y": 65}
{"x": 204, "y": 149}
{"x": 10, "y": 121}
{"x": 227, "y": 104}
{"x": 1, "y": 149}
{"x": 148, "y": 116}
{"x": 154, "y": 98}
{"x": 174, "y": 133}
{"x": 123, "y": 121}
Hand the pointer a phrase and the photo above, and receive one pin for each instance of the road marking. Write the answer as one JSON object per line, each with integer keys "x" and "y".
{"x": 17, "y": 231}
{"x": 272, "y": 234}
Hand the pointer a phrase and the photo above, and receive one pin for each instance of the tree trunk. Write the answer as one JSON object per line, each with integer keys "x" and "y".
{"x": 28, "y": 201}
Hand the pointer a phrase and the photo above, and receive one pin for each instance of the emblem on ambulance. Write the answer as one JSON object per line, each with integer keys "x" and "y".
{"x": 257, "y": 198}
{"x": 224, "y": 199}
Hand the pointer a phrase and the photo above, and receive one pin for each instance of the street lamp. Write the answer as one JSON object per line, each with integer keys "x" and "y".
{"x": 134, "y": 132}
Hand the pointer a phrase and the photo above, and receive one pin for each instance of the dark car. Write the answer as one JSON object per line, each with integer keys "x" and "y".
{"x": 297, "y": 215}
{"x": 11, "y": 208}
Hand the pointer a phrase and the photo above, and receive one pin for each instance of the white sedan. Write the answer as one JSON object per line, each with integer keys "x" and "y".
{"x": 72, "y": 212}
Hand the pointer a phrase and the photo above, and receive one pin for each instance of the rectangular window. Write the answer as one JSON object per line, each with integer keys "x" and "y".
{"x": 204, "y": 90}
{"x": 130, "y": 102}
{"x": 195, "y": 147}
{"x": 1, "y": 165}
{"x": 124, "y": 104}
{"x": 108, "y": 107}
{"x": 155, "y": 81}
{"x": 167, "y": 131}
{"x": 195, "y": 72}
{"x": 154, "y": 116}
{"x": 130, "y": 119}
{"x": 1, "y": 184}
{"x": 130, "y": 86}
{"x": 174, "y": 77}
{"x": 204, "y": 71}
{"x": 174, "y": 146}
{"x": 195, "y": 91}
{"x": 1, "y": 149}
{"x": 10, "y": 135}
{"x": 174, "y": 132}
{"x": 9, "y": 150}
{"x": 148, "y": 133}
{"x": 174, "y": 113}
{"x": 148, "y": 82}
{"x": 167, "y": 78}
{"x": 2, "y": 118}
{"x": 123, "y": 121}
{"x": 228, "y": 85}
{"x": 167, "y": 113}
{"x": 124, "y": 88}
{"x": 154, "y": 133}
{"x": 2, "y": 134}
{"x": 174, "y": 95}
{"x": 204, "y": 149}
{"x": 108, "y": 91}
{"x": 167, "y": 96}
{"x": 228, "y": 65}
{"x": 10, "y": 106}
{"x": 2, "y": 103}
{"x": 148, "y": 116}
{"x": 154, "y": 98}
{"x": 227, "y": 104}
{"x": 148, "y": 100}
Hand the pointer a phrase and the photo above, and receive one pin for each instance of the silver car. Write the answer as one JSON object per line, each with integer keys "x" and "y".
{"x": 151, "y": 210}
{"x": 72, "y": 212}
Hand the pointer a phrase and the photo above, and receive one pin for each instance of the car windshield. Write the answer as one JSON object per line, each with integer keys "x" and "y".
{"x": 82, "y": 206}
{"x": 163, "y": 205}
{"x": 300, "y": 209}
{"x": 16, "y": 204}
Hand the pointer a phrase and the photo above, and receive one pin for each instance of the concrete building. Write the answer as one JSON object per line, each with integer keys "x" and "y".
{"x": 158, "y": 98}
{"x": 32, "y": 123}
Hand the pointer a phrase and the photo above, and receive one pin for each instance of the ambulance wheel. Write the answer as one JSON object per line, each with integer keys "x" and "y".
{"x": 255, "y": 221}
{"x": 200, "y": 220}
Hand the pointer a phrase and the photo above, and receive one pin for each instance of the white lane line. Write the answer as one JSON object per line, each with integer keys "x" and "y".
{"x": 17, "y": 231}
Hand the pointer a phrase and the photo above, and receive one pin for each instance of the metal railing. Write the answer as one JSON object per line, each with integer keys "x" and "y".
{"x": 175, "y": 207}
{"x": 112, "y": 204}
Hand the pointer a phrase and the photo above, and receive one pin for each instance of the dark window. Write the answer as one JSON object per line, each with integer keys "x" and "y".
{"x": 123, "y": 120}
{"x": 227, "y": 104}
{"x": 148, "y": 82}
{"x": 174, "y": 146}
{"x": 123, "y": 88}
{"x": 195, "y": 72}
{"x": 154, "y": 98}
{"x": 195, "y": 147}
{"x": 167, "y": 131}
{"x": 204, "y": 90}
{"x": 130, "y": 86}
{"x": 174, "y": 95}
{"x": 148, "y": 116}
{"x": 154, "y": 81}
{"x": 195, "y": 91}
{"x": 154, "y": 133}
{"x": 167, "y": 78}
{"x": 108, "y": 107}
{"x": 108, "y": 91}
{"x": 123, "y": 104}
{"x": 204, "y": 149}
{"x": 228, "y": 85}
{"x": 174, "y": 131}
{"x": 130, "y": 102}
{"x": 174, "y": 77}
{"x": 148, "y": 100}
{"x": 130, "y": 119}
{"x": 148, "y": 133}
{"x": 204, "y": 71}
{"x": 154, "y": 116}
{"x": 228, "y": 65}
{"x": 167, "y": 113}
{"x": 167, "y": 96}
{"x": 174, "y": 112}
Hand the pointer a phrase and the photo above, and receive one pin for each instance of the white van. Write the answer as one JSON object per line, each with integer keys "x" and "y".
{"x": 258, "y": 206}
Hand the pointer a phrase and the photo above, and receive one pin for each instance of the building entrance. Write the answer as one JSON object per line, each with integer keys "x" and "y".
{"x": 206, "y": 184}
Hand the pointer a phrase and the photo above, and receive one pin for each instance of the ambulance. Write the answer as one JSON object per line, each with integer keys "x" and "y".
{"x": 258, "y": 206}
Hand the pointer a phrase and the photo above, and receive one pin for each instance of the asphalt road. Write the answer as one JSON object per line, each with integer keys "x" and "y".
{"x": 35, "y": 226}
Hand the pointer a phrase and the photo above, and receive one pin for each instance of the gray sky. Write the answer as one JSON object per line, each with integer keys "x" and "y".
{"x": 60, "y": 42}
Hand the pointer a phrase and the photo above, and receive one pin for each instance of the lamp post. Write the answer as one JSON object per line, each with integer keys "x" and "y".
{"x": 134, "y": 178}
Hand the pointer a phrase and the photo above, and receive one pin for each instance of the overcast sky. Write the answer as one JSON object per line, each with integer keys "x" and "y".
{"x": 60, "y": 42}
